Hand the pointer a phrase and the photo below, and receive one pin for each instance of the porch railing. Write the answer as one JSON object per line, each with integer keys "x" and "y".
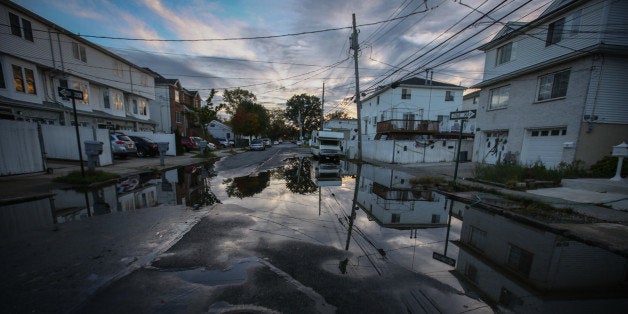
{"x": 407, "y": 126}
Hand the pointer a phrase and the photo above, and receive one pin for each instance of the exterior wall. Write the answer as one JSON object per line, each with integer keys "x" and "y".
{"x": 598, "y": 143}
{"x": 60, "y": 142}
{"x": 615, "y": 29}
{"x": 160, "y": 109}
{"x": 524, "y": 112}
{"x": 471, "y": 103}
{"x": 10, "y": 92}
{"x": 411, "y": 152}
{"x": 36, "y": 51}
{"x": 606, "y": 100}
{"x": 426, "y": 104}
{"x": 530, "y": 49}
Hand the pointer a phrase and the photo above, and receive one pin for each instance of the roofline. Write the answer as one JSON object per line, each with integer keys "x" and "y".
{"x": 597, "y": 48}
{"x": 539, "y": 20}
{"x": 381, "y": 91}
{"x": 66, "y": 32}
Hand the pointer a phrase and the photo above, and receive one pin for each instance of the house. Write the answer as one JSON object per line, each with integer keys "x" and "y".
{"x": 409, "y": 108}
{"x": 554, "y": 89}
{"x": 38, "y": 57}
{"x": 526, "y": 267}
{"x": 219, "y": 130}
{"x": 168, "y": 105}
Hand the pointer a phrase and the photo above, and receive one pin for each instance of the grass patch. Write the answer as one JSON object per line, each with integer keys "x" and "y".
{"x": 90, "y": 177}
{"x": 510, "y": 174}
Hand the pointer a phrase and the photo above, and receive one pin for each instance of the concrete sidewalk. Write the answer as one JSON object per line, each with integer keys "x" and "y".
{"x": 32, "y": 185}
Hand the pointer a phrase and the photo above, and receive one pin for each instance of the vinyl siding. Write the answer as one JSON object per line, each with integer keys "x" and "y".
{"x": 615, "y": 31}
{"x": 609, "y": 102}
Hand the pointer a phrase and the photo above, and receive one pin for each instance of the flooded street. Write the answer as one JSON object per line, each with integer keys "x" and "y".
{"x": 277, "y": 231}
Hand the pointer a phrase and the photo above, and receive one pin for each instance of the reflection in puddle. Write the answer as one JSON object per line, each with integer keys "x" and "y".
{"x": 234, "y": 274}
{"x": 181, "y": 186}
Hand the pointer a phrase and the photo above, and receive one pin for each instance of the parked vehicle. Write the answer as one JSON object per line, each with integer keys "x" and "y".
{"x": 275, "y": 142}
{"x": 267, "y": 142}
{"x": 225, "y": 143}
{"x": 145, "y": 147}
{"x": 257, "y": 145}
{"x": 198, "y": 140}
{"x": 327, "y": 145}
{"x": 188, "y": 143}
{"x": 121, "y": 145}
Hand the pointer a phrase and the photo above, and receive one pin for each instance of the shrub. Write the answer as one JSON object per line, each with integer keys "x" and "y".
{"x": 606, "y": 168}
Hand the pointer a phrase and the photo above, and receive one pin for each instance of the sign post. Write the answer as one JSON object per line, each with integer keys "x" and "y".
{"x": 462, "y": 116}
{"x": 73, "y": 94}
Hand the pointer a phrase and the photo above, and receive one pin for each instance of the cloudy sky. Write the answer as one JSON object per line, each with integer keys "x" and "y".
{"x": 280, "y": 48}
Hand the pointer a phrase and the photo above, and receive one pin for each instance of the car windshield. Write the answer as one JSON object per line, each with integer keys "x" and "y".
{"x": 124, "y": 138}
{"x": 256, "y": 142}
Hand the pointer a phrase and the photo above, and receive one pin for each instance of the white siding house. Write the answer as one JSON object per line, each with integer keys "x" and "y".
{"x": 553, "y": 89}
{"x": 37, "y": 57}
{"x": 407, "y": 106}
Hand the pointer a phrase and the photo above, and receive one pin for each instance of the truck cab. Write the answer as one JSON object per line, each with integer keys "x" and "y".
{"x": 327, "y": 145}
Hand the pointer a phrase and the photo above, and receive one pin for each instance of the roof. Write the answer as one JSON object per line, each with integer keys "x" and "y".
{"x": 471, "y": 95}
{"x": 414, "y": 82}
{"x": 513, "y": 29}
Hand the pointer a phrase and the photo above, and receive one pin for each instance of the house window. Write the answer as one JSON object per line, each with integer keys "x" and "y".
{"x": 435, "y": 219}
{"x": 449, "y": 95}
{"x": 143, "y": 107}
{"x": 2, "y": 83}
{"x": 553, "y": 85}
{"x": 378, "y": 100}
{"x": 498, "y": 97}
{"x": 176, "y": 96}
{"x": 118, "y": 103}
{"x": 30, "y": 81}
{"x": 374, "y": 120}
{"x": 134, "y": 101}
{"x": 177, "y": 117}
{"x": 477, "y": 238}
{"x": 504, "y": 54}
{"x": 105, "y": 99}
{"x": 395, "y": 218}
{"x": 24, "y": 81}
{"x": 21, "y": 30}
{"x": 118, "y": 69}
{"x": 520, "y": 260}
{"x": 405, "y": 93}
{"x": 563, "y": 28}
{"x": 82, "y": 87}
{"x": 78, "y": 51}
{"x": 144, "y": 80}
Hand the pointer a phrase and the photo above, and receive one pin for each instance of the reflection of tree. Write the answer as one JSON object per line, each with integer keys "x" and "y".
{"x": 297, "y": 174}
{"x": 248, "y": 186}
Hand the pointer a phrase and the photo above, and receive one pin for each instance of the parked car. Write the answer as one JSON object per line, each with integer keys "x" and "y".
{"x": 198, "y": 140}
{"x": 267, "y": 142}
{"x": 225, "y": 143}
{"x": 122, "y": 145}
{"x": 275, "y": 142}
{"x": 145, "y": 147}
{"x": 188, "y": 143}
{"x": 299, "y": 142}
{"x": 257, "y": 145}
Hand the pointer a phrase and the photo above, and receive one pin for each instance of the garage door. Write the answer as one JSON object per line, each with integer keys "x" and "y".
{"x": 545, "y": 145}
{"x": 494, "y": 147}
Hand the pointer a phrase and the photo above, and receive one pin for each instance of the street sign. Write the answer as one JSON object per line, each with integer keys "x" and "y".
{"x": 447, "y": 260}
{"x": 67, "y": 93}
{"x": 460, "y": 115}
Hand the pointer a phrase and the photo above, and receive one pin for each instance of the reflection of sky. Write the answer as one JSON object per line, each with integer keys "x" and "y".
{"x": 282, "y": 215}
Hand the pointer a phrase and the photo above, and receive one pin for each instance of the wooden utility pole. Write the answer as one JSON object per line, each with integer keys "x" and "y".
{"x": 323, "y": 108}
{"x": 356, "y": 47}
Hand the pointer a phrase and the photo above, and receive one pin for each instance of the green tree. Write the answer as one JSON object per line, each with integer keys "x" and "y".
{"x": 308, "y": 108}
{"x": 233, "y": 99}
{"x": 250, "y": 119}
{"x": 338, "y": 114}
{"x": 278, "y": 128}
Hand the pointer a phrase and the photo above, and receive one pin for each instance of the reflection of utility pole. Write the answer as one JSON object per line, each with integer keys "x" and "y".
{"x": 300, "y": 126}
{"x": 353, "y": 206}
{"x": 323, "y": 108}
{"x": 355, "y": 46}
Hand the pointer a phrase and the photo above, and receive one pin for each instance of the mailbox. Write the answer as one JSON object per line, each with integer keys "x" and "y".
{"x": 163, "y": 147}
{"x": 93, "y": 148}
{"x": 620, "y": 150}
{"x": 203, "y": 144}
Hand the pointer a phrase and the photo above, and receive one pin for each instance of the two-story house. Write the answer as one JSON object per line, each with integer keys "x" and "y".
{"x": 409, "y": 108}
{"x": 554, "y": 89}
{"x": 37, "y": 57}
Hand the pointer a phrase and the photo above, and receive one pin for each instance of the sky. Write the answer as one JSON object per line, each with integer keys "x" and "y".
{"x": 280, "y": 48}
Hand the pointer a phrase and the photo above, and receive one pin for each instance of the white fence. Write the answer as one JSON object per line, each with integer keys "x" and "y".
{"x": 60, "y": 142}
{"x": 407, "y": 152}
{"x": 20, "y": 149}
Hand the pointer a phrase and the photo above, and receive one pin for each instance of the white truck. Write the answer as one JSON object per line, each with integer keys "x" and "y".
{"x": 327, "y": 145}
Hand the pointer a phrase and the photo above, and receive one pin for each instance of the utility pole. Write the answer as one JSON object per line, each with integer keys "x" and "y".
{"x": 323, "y": 108}
{"x": 300, "y": 127}
{"x": 356, "y": 47}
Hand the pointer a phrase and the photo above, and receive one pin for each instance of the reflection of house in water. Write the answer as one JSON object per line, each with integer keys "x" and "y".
{"x": 530, "y": 269}
{"x": 17, "y": 217}
{"x": 387, "y": 196}
{"x": 181, "y": 185}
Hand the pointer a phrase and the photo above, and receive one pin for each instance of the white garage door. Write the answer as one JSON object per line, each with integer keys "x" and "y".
{"x": 494, "y": 147}
{"x": 545, "y": 145}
